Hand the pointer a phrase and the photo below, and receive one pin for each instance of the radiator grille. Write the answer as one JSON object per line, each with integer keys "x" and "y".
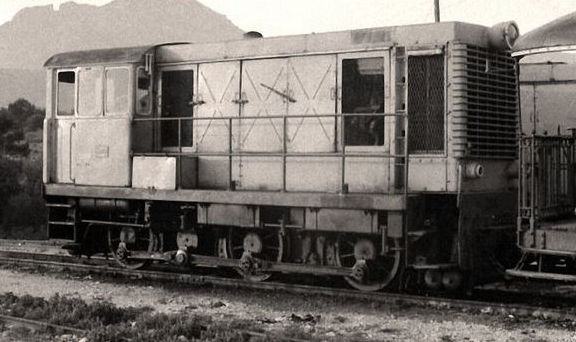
{"x": 426, "y": 104}
{"x": 485, "y": 102}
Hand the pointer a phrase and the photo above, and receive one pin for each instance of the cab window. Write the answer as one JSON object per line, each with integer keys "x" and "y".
{"x": 90, "y": 92}
{"x": 117, "y": 90}
{"x": 66, "y": 93}
{"x": 363, "y": 93}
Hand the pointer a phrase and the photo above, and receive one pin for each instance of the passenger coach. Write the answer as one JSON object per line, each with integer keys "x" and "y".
{"x": 375, "y": 155}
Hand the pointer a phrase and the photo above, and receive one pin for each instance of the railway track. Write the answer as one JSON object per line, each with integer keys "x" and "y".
{"x": 107, "y": 268}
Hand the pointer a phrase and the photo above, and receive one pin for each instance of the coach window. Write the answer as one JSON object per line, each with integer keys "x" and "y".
{"x": 90, "y": 92}
{"x": 66, "y": 93}
{"x": 143, "y": 92}
{"x": 363, "y": 93}
{"x": 117, "y": 91}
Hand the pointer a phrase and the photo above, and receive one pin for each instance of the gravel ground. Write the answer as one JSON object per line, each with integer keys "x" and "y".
{"x": 278, "y": 311}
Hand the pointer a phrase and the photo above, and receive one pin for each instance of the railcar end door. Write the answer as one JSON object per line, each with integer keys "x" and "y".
{"x": 65, "y": 125}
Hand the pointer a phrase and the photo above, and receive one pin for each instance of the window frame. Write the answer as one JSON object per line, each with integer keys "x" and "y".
{"x": 158, "y": 83}
{"x": 150, "y": 90}
{"x": 102, "y": 90}
{"x": 129, "y": 97}
{"x": 57, "y": 92}
{"x": 385, "y": 55}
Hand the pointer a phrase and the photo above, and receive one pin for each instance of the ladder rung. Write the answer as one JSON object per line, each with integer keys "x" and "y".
{"x": 61, "y": 223}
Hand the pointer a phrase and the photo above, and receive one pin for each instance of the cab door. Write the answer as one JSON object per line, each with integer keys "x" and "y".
{"x": 177, "y": 101}
{"x": 364, "y": 96}
{"x": 65, "y": 125}
{"x": 101, "y": 137}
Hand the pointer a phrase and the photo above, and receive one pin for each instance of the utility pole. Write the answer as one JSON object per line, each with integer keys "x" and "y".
{"x": 437, "y": 11}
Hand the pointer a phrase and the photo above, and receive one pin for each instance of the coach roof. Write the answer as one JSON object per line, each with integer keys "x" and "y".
{"x": 104, "y": 56}
{"x": 557, "y": 35}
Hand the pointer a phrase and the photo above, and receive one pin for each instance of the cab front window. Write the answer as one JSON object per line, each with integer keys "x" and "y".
{"x": 117, "y": 91}
{"x": 90, "y": 92}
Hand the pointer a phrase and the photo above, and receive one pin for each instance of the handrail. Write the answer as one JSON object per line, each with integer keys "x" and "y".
{"x": 343, "y": 153}
{"x": 298, "y": 116}
{"x": 72, "y": 126}
{"x": 546, "y": 188}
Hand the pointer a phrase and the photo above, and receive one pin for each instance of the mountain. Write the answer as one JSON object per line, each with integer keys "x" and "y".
{"x": 36, "y": 33}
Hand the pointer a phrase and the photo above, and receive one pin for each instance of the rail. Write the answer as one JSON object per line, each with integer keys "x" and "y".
{"x": 340, "y": 149}
{"x": 528, "y": 305}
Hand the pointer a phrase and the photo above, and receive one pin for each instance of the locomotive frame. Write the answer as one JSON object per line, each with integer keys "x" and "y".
{"x": 191, "y": 153}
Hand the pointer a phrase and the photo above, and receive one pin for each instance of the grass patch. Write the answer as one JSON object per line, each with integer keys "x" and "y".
{"x": 103, "y": 321}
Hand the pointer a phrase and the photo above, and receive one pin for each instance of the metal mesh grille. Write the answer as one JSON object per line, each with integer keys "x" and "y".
{"x": 426, "y": 104}
{"x": 485, "y": 103}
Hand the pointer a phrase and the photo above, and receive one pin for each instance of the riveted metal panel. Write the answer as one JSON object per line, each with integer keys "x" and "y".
{"x": 154, "y": 172}
{"x": 263, "y": 82}
{"x": 312, "y": 84}
{"x": 229, "y": 215}
{"x": 102, "y": 152}
{"x": 218, "y": 94}
{"x": 360, "y": 221}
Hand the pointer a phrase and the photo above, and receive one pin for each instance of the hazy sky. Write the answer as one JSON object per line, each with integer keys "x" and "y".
{"x": 280, "y": 17}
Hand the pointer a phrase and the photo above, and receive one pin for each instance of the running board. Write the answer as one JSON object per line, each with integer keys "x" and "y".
{"x": 541, "y": 275}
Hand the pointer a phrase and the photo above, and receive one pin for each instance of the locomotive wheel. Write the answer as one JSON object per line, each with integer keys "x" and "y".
{"x": 135, "y": 240}
{"x": 380, "y": 270}
{"x": 260, "y": 244}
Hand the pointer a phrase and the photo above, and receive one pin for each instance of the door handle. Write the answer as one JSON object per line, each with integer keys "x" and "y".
{"x": 72, "y": 127}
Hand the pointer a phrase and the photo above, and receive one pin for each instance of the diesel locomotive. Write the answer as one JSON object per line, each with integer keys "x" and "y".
{"x": 383, "y": 156}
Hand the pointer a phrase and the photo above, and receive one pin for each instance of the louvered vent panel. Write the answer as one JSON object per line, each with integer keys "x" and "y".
{"x": 485, "y": 103}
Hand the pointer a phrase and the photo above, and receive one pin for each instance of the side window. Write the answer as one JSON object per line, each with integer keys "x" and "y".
{"x": 66, "y": 92}
{"x": 363, "y": 93}
{"x": 90, "y": 92}
{"x": 117, "y": 91}
{"x": 177, "y": 95}
{"x": 143, "y": 92}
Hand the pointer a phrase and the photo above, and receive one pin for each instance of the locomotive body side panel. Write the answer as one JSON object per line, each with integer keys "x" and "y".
{"x": 101, "y": 152}
{"x": 218, "y": 93}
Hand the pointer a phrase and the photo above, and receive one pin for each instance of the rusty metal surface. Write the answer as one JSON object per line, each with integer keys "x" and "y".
{"x": 320, "y": 200}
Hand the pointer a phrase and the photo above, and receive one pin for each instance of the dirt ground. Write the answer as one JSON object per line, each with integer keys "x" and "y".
{"x": 277, "y": 311}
